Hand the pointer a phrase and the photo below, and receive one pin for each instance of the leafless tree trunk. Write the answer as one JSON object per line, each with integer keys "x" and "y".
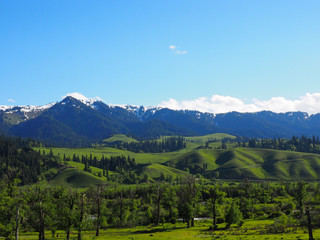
{"x": 17, "y": 224}
{"x": 309, "y": 223}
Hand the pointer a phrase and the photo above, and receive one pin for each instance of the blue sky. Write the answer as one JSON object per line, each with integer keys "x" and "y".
{"x": 148, "y": 52}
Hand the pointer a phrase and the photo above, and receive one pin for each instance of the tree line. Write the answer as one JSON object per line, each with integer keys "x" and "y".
{"x": 168, "y": 144}
{"x": 42, "y": 207}
{"x": 298, "y": 144}
{"x": 118, "y": 164}
{"x": 295, "y": 143}
{"x": 19, "y": 160}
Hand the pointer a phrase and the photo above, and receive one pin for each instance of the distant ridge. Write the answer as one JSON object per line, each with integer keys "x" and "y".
{"x": 77, "y": 120}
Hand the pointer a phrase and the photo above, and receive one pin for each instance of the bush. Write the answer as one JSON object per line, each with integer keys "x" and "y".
{"x": 220, "y": 220}
{"x": 234, "y": 216}
{"x": 275, "y": 215}
{"x": 280, "y": 224}
{"x": 260, "y": 214}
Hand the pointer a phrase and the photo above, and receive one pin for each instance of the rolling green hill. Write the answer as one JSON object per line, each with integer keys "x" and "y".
{"x": 119, "y": 138}
{"x": 156, "y": 170}
{"x": 75, "y": 178}
{"x": 231, "y": 163}
{"x": 95, "y": 171}
{"x": 240, "y": 163}
{"x": 205, "y": 138}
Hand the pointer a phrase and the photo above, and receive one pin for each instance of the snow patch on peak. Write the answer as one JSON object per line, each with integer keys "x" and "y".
{"x": 139, "y": 111}
{"x": 135, "y": 108}
{"x": 25, "y": 109}
{"x": 77, "y": 96}
{"x": 29, "y": 108}
{"x": 5, "y": 107}
{"x": 85, "y": 100}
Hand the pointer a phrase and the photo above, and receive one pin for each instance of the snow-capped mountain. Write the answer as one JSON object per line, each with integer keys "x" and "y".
{"x": 77, "y": 120}
{"x": 17, "y": 114}
{"x": 87, "y": 101}
{"x": 25, "y": 109}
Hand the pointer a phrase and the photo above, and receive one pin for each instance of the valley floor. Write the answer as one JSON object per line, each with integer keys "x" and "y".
{"x": 252, "y": 229}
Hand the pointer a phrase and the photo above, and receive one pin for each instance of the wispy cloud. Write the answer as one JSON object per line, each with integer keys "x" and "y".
{"x": 11, "y": 100}
{"x": 174, "y": 49}
{"x": 309, "y": 103}
{"x": 181, "y": 52}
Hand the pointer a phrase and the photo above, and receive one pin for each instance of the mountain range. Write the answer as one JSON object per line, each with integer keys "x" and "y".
{"x": 78, "y": 121}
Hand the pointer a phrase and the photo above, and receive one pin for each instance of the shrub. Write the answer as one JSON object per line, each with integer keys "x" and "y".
{"x": 234, "y": 216}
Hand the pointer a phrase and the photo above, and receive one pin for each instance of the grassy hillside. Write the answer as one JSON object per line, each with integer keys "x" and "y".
{"x": 234, "y": 163}
{"x": 108, "y": 152}
{"x": 119, "y": 138}
{"x": 75, "y": 178}
{"x": 210, "y": 137}
{"x": 240, "y": 163}
{"x": 155, "y": 170}
{"x": 95, "y": 171}
{"x": 267, "y": 164}
{"x": 231, "y": 163}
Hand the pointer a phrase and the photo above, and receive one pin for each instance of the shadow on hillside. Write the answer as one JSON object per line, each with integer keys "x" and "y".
{"x": 224, "y": 157}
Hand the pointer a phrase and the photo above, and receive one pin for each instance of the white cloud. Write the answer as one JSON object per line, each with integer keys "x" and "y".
{"x": 181, "y": 52}
{"x": 174, "y": 48}
{"x": 309, "y": 103}
{"x": 11, "y": 100}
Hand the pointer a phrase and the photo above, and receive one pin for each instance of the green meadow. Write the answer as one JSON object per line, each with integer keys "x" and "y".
{"x": 251, "y": 229}
{"x": 259, "y": 182}
{"x": 231, "y": 163}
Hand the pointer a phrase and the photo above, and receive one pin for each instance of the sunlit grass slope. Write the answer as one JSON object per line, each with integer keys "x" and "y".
{"x": 203, "y": 139}
{"x": 108, "y": 152}
{"x": 75, "y": 178}
{"x": 240, "y": 163}
{"x": 268, "y": 164}
{"x": 94, "y": 170}
{"x": 120, "y": 138}
{"x": 155, "y": 171}
{"x": 233, "y": 163}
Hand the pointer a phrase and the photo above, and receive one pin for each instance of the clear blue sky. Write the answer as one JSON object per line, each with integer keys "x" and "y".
{"x": 119, "y": 50}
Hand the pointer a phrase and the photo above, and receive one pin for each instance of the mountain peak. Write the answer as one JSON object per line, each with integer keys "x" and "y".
{"x": 85, "y": 100}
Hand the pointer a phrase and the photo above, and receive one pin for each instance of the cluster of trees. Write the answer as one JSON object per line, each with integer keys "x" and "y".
{"x": 40, "y": 207}
{"x": 299, "y": 144}
{"x": 169, "y": 144}
{"x": 241, "y": 142}
{"x": 228, "y": 139}
{"x": 19, "y": 160}
{"x": 114, "y": 163}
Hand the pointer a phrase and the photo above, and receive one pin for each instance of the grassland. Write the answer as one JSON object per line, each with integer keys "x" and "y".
{"x": 118, "y": 138}
{"x": 253, "y": 229}
{"x": 210, "y": 137}
{"x": 75, "y": 178}
{"x": 231, "y": 163}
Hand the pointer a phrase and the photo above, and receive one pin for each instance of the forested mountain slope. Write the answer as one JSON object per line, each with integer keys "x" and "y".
{"x": 73, "y": 122}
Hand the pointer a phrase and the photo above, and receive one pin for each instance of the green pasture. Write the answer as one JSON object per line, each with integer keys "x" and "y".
{"x": 203, "y": 139}
{"x": 119, "y": 138}
{"x": 253, "y": 229}
{"x": 75, "y": 178}
{"x": 231, "y": 163}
